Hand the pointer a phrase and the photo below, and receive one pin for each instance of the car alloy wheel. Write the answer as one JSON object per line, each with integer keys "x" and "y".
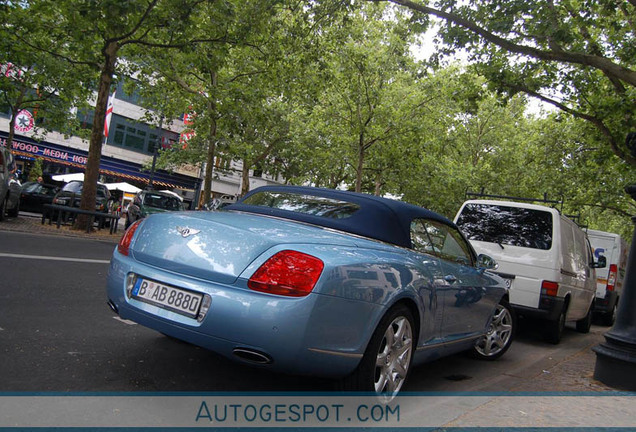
{"x": 387, "y": 359}
{"x": 499, "y": 335}
{"x": 394, "y": 357}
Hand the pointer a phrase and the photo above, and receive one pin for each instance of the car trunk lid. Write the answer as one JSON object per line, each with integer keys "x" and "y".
{"x": 218, "y": 246}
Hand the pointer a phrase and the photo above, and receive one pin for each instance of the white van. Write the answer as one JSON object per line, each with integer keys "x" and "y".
{"x": 545, "y": 258}
{"x": 609, "y": 280}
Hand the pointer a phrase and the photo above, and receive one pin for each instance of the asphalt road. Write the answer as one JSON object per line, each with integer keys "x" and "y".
{"x": 58, "y": 335}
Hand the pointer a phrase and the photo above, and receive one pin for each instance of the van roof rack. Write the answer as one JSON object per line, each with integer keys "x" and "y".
{"x": 544, "y": 200}
{"x": 577, "y": 220}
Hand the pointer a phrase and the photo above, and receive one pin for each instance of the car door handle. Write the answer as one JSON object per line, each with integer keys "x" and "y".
{"x": 451, "y": 279}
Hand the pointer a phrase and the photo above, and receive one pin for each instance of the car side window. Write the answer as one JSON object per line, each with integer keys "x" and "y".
{"x": 441, "y": 240}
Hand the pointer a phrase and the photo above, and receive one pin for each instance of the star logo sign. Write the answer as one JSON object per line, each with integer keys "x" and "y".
{"x": 24, "y": 121}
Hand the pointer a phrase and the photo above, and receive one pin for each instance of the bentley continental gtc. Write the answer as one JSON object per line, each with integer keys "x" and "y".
{"x": 316, "y": 282}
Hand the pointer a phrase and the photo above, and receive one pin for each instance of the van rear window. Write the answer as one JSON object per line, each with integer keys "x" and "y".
{"x": 505, "y": 225}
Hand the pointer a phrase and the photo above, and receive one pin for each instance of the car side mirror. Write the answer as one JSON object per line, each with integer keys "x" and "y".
{"x": 486, "y": 262}
{"x": 601, "y": 263}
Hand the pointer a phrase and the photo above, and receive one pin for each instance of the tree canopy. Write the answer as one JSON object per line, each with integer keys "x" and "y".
{"x": 329, "y": 93}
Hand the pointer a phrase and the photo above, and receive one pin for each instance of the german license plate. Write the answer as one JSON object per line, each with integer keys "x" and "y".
{"x": 168, "y": 297}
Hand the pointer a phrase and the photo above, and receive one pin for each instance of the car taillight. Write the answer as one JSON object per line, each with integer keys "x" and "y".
{"x": 549, "y": 288}
{"x": 288, "y": 273}
{"x": 611, "y": 278}
{"x": 124, "y": 244}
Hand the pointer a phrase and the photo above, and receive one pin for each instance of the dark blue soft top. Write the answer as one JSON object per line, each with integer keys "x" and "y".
{"x": 366, "y": 215}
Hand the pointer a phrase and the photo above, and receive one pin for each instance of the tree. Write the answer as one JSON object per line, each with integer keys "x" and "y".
{"x": 98, "y": 33}
{"x": 577, "y": 55}
{"x": 33, "y": 80}
{"x": 367, "y": 99}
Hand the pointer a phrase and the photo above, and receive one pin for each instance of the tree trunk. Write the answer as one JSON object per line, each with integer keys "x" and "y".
{"x": 245, "y": 178}
{"x": 91, "y": 174}
{"x": 360, "y": 164}
{"x": 207, "y": 182}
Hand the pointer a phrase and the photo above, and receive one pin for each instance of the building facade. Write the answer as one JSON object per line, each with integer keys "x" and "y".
{"x": 127, "y": 153}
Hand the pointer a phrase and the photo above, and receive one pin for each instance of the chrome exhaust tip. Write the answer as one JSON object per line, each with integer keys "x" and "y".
{"x": 252, "y": 356}
{"x": 113, "y": 307}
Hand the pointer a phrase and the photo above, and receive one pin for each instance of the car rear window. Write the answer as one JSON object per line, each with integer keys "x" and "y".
{"x": 506, "y": 225}
{"x": 162, "y": 202}
{"x": 74, "y": 186}
{"x": 305, "y": 204}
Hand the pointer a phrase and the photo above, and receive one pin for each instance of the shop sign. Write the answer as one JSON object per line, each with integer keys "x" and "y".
{"x": 24, "y": 121}
{"x": 42, "y": 150}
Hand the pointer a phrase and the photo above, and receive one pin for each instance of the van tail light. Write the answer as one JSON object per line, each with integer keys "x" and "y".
{"x": 549, "y": 288}
{"x": 124, "y": 244}
{"x": 611, "y": 278}
{"x": 288, "y": 273}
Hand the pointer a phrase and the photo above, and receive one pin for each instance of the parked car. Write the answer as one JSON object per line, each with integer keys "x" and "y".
{"x": 35, "y": 195}
{"x": 149, "y": 202}
{"x": 314, "y": 281}
{"x": 609, "y": 280}
{"x": 9, "y": 185}
{"x": 71, "y": 195}
{"x": 219, "y": 203}
{"x": 545, "y": 258}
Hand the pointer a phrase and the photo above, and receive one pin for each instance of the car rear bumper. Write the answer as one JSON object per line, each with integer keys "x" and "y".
{"x": 605, "y": 304}
{"x": 549, "y": 309}
{"x": 291, "y": 335}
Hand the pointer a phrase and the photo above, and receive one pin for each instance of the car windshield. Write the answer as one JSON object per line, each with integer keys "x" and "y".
{"x": 512, "y": 226}
{"x": 162, "y": 202}
{"x": 30, "y": 187}
{"x": 306, "y": 204}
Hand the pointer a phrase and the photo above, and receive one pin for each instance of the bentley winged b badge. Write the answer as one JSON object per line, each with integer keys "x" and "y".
{"x": 187, "y": 232}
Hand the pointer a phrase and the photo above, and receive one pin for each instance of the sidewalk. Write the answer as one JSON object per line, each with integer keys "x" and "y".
{"x": 32, "y": 223}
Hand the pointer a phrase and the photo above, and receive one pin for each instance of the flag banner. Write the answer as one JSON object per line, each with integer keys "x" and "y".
{"x": 568, "y": 411}
{"x": 109, "y": 114}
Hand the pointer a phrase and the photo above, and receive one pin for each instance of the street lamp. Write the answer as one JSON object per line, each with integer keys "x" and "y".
{"x": 616, "y": 357}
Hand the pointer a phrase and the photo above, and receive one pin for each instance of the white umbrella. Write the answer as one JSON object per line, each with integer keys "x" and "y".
{"x": 68, "y": 177}
{"x": 123, "y": 186}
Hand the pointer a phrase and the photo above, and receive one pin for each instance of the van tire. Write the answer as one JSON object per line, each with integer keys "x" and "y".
{"x": 583, "y": 325}
{"x": 554, "y": 329}
{"x": 609, "y": 318}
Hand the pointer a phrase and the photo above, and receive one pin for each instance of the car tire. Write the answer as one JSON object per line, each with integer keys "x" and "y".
{"x": 583, "y": 325}
{"x": 608, "y": 319}
{"x": 14, "y": 211}
{"x": 501, "y": 331}
{"x": 388, "y": 357}
{"x": 554, "y": 329}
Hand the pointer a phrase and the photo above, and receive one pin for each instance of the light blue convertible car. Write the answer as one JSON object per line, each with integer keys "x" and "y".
{"x": 314, "y": 281}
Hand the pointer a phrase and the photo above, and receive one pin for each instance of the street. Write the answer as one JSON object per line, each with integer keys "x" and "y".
{"x": 58, "y": 335}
